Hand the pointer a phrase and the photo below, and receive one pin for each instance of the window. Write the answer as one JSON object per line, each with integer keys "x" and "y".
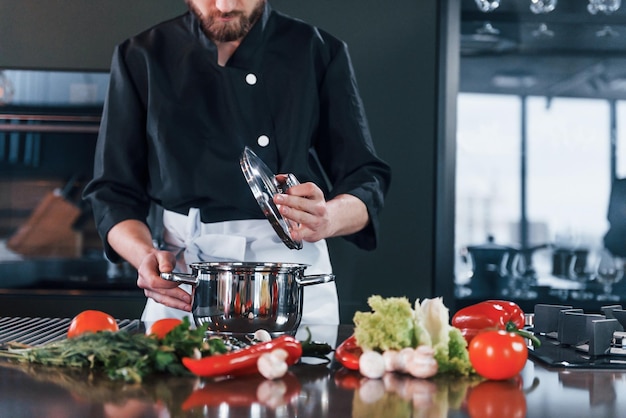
{"x": 534, "y": 163}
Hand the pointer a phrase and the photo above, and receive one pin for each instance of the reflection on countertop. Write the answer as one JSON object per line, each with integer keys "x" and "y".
{"x": 322, "y": 390}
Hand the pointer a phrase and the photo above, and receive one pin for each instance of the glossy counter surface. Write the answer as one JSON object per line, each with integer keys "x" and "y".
{"x": 313, "y": 391}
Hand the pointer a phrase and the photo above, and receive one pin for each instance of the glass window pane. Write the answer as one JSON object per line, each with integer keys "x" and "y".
{"x": 488, "y": 168}
{"x": 568, "y": 170}
{"x": 568, "y": 176}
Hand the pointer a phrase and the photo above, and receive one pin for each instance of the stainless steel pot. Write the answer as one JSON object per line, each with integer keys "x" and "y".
{"x": 238, "y": 298}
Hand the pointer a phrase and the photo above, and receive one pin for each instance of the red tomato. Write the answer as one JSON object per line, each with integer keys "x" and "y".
{"x": 496, "y": 399}
{"x": 91, "y": 321}
{"x": 163, "y": 326}
{"x": 498, "y": 355}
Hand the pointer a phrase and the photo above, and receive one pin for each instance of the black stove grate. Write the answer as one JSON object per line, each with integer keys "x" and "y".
{"x": 39, "y": 331}
{"x": 571, "y": 338}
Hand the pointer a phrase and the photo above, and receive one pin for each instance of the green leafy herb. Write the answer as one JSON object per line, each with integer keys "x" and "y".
{"x": 312, "y": 348}
{"x": 123, "y": 355}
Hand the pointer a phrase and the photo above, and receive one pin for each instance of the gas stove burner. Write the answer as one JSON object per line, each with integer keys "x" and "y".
{"x": 572, "y": 338}
{"x": 618, "y": 343}
{"x": 41, "y": 331}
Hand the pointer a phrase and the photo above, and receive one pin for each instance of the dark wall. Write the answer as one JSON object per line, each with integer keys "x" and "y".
{"x": 395, "y": 52}
{"x": 73, "y": 34}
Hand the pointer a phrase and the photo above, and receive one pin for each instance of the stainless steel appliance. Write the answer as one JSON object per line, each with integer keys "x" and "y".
{"x": 40, "y": 331}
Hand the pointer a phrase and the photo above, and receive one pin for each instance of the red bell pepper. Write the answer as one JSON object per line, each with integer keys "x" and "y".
{"x": 348, "y": 353}
{"x": 243, "y": 361}
{"x": 491, "y": 314}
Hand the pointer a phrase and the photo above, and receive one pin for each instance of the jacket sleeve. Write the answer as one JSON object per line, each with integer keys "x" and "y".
{"x": 615, "y": 238}
{"x": 345, "y": 148}
{"x": 117, "y": 191}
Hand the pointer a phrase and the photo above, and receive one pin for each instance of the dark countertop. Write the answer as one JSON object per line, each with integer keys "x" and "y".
{"x": 313, "y": 391}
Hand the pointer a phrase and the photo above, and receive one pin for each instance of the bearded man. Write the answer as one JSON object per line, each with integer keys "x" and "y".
{"x": 185, "y": 98}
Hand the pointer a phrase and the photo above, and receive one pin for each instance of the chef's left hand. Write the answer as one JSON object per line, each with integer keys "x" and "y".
{"x": 314, "y": 218}
{"x": 305, "y": 206}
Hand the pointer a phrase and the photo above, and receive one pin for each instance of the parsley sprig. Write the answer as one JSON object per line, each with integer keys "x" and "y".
{"x": 123, "y": 355}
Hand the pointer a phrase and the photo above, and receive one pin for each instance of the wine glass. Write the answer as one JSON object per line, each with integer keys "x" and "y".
{"x": 603, "y": 6}
{"x": 609, "y": 270}
{"x": 464, "y": 270}
{"x": 522, "y": 277}
{"x": 607, "y": 7}
{"x": 577, "y": 272}
{"x": 542, "y": 7}
{"x": 487, "y": 6}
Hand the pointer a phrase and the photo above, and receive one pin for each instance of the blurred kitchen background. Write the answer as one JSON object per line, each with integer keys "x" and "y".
{"x": 541, "y": 137}
{"x": 503, "y": 123}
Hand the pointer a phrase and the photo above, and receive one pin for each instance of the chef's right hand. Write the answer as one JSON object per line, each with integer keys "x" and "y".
{"x": 162, "y": 291}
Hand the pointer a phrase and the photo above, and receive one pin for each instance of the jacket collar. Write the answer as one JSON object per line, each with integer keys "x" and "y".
{"x": 250, "y": 45}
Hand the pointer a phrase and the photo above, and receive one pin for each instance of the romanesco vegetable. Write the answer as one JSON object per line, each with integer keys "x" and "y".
{"x": 454, "y": 358}
{"x": 390, "y": 326}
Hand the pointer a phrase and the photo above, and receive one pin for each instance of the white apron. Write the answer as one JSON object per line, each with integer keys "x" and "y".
{"x": 247, "y": 240}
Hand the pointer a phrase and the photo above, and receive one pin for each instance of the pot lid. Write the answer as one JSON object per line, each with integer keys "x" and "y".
{"x": 491, "y": 245}
{"x": 264, "y": 186}
{"x": 249, "y": 266}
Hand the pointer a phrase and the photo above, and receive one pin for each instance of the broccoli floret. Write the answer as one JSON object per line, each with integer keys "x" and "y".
{"x": 389, "y": 327}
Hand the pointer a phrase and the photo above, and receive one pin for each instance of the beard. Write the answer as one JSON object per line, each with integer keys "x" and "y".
{"x": 227, "y": 31}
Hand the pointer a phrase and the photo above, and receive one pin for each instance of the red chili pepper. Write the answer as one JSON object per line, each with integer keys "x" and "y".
{"x": 348, "y": 353}
{"x": 490, "y": 314}
{"x": 243, "y": 361}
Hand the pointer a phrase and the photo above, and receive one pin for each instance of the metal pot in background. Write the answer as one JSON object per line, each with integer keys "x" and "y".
{"x": 239, "y": 298}
{"x": 496, "y": 268}
{"x": 491, "y": 263}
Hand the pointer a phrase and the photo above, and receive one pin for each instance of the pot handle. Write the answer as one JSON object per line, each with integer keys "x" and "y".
{"x": 180, "y": 278}
{"x": 315, "y": 279}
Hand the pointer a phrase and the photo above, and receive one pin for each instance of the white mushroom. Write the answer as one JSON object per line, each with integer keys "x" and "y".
{"x": 422, "y": 363}
{"x": 390, "y": 358}
{"x": 273, "y": 365}
{"x": 402, "y": 359}
{"x": 372, "y": 365}
{"x": 262, "y": 335}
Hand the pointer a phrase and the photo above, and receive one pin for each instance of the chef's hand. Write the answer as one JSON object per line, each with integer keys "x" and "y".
{"x": 314, "y": 218}
{"x": 131, "y": 239}
{"x": 163, "y": 291}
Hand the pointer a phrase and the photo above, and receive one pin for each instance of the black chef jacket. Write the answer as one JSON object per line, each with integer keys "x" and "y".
{"x": 175, "y": 123}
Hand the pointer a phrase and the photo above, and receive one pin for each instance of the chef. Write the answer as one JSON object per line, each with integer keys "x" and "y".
{"x": 185, "y": 98}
